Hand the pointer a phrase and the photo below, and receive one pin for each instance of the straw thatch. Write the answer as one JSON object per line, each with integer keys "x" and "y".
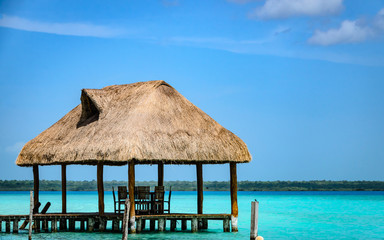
{"x": 148, "y": 122}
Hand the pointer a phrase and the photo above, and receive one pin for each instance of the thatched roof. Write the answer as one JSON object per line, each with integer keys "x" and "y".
{"x": 148, "y": 122}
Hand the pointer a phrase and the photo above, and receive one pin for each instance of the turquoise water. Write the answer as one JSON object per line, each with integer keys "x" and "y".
{"x": 282, "y": 215}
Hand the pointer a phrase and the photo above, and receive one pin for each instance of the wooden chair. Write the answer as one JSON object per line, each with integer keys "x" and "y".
{"x": 142, "y": 200}
{"x": 158, "y": 201}
{"x": 121, "y": 196}
{"x": 168, "y": 202}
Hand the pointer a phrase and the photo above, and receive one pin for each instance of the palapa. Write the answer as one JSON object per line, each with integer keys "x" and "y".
{"x": 144, "y": 122}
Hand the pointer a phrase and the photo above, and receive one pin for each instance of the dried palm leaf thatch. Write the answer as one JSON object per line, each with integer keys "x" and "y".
{"x": 145, "y": 122}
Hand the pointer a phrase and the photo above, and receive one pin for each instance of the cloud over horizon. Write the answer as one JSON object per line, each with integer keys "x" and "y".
{"x": 277, "y": 9}
{"x": 350, "y": 32}
{"x": 71, "y": 29}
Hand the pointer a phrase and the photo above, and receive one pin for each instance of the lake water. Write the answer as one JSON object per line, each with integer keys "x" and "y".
{"x": 282, "y": 215}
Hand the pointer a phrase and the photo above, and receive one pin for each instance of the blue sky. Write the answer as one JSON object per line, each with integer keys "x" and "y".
{"x": 300, "y": 81}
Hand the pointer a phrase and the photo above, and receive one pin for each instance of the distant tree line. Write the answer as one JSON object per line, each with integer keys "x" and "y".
{"x": 52, "y": 185}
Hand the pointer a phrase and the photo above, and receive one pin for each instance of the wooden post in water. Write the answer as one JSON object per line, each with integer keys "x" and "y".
{"x": 30, "y": 216}
{"x": 36, "y": 186}
{"x": 234, "y": 207}
{"x": 254, "y": 219}
{"x": 199, "y": 173}
{"x": 160, "y": 174}
{"x": 131, "y": 189}
{"x": 100, "y": 188}
{"x": 126, "y": 219}
{"x": 63, "y": 188}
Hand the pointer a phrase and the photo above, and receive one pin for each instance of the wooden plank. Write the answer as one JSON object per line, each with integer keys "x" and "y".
{"x": 100, "y": 188}
{"x": 173, "y": 225}
{"x": 131, "y": 189}
{"x": 30, "y": 215}
{"x": 160, "y": 174}
{"x": 71, "y": 224}
{"x": 254, "y": 219}
{"x": 234, "y": 207}
{"x": 36, "y": 187}
{"x": 64, "y": 188}
{"x": 194, "y": 223}
{"x": 199, "y": 173}
{"x": 184, "y": 224}
{"x": 161, "y": 224}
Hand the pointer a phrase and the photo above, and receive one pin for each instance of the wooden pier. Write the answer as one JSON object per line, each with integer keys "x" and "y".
{"x": 93, "y": 222}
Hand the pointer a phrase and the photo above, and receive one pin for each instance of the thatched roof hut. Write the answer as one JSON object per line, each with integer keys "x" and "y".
{"x": 139, "y": 123}
{"x": 148, "y": 122}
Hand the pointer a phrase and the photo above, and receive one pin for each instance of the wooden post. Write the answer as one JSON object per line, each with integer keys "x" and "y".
{"x": 64, "y": 188}
{"x": 183, "y": 224}
{"x": 194, "y": 225}
{"x": 54, "y": 225}
{"x": 199, "y": 173}
{"x": 115, "y": 225}
{"x": 36, "y": 186}
{"x": 234, "y": 207}
{"x": 102, "y": 224}
{"x": 131, "y": 189}
{"x": 126, "y": 219}
{"x": 226, "y": 225}
{"x": 82, "y": 225}
{"x": 15, "y": 226}
{"x": 30, "y": 216}
{"x": 7, "y": 226}
{"x": 254, "y": 219}
{"x": 138, "y": 225}
{"x": 100, "y": 188}
{"x": 161, "y": 224}
{"x": 152, "y": 225}
{"x": 173, "y": 225}
{"x": 91, "y": 224}
{"x": 160, "y": 174}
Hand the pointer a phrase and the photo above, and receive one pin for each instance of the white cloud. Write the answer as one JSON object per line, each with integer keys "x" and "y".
{"x": 15, "y": 147}
{"x": 288, "y": 8}
{"x": 350, "y": 32}
{"x": 73, "y": 29}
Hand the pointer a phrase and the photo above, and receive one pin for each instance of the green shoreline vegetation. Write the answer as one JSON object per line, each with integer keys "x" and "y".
{"x": 55, "y": 185}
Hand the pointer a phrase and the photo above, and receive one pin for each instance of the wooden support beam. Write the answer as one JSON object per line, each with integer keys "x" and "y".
{"x": 100, "y": 188}
{"x": 161, "y": 225}
{"x": 63, "y": 224}
{"x": 82, "y": 225}
{"x": 131, "y": 189}
{"x": 234, "y": 207}
{"x": 194, "y": 223}
{"x": 102, "y": 224}
{"x": 54, "y": 225}
{"x": 64, "y": 188}
{"x": 91, "y": 224}
{"x": 15, "y": 226}
{"x": 184, "y": 224}
{"x": 139, "y": 225}
{"x": 7, "y": 226}
{"x": 173, "y": 225}
{"x": 152, "y": 225}
{"x": 36, "y": 186}
{"x": 160, "y": 174}
{"x": 199, "y": 173}
{"x": 115, "y": 225}
{"x": 226, "y": 226}
{"x": 31, "y": 204}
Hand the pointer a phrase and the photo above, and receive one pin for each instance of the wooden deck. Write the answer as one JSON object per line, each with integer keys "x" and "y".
{"x": 53, "y": 222}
